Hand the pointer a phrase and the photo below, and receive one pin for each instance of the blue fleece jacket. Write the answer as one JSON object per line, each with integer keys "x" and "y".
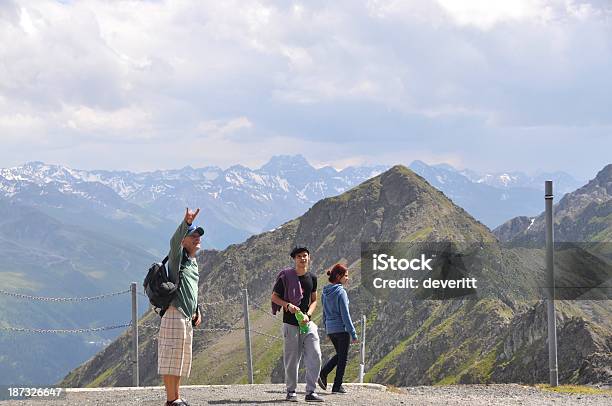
{"x": 336, "y": 316}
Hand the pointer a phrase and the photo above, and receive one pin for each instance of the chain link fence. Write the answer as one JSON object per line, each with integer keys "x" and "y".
{"x": 135, "y": 325}
{"x": 63, "y": 331}
{"x": 62, "y": 299}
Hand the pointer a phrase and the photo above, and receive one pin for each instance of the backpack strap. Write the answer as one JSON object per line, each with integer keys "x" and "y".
{"x": 180, "y": 278}
{"x": 168, "y": 269}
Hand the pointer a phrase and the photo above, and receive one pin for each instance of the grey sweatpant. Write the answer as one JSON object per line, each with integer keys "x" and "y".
{"x": 297, "y": 346}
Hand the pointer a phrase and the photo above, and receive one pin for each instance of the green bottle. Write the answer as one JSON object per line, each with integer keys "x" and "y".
{"x": 303, "y": 327}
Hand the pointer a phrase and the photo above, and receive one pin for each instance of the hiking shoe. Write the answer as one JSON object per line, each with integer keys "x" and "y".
{"x": 322, "y": 382}
{"x": 339, "y": 389}
{"x": 291, "y": 397}
{"x": 313, "y": 397}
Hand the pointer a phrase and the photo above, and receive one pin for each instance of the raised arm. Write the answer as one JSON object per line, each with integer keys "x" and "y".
{"x": 176, "y": 249}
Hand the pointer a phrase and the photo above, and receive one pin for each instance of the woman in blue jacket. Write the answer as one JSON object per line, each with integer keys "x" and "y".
{"x": 338, "y": 325}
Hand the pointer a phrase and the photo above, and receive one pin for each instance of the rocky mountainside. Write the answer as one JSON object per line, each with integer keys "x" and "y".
{"x": 409, "y": 342}
{"x": 507, "y": 231}
{"x": 581, "y": 216}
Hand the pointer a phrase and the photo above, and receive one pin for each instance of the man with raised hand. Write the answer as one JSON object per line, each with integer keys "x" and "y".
{"x": 296, "y": 290}
{"x": 176, "y": 331}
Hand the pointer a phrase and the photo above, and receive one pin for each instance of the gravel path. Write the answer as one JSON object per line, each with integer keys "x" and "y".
{"x": 358, "y": 395}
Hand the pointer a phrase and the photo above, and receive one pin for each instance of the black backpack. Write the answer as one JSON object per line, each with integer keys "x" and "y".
{"x": 159, "y": 288}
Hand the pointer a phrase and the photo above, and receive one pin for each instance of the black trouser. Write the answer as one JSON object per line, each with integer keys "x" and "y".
{"x": 341, "y": 343}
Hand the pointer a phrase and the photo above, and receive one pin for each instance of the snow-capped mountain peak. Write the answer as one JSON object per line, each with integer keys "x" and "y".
{"x": 237, "y": 201}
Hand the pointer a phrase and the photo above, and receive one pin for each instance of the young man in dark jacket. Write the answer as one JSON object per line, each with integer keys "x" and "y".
{"x": 296, "y": 290}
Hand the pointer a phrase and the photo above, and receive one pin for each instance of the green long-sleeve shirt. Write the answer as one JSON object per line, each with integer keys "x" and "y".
{"x": 186, "y": 299}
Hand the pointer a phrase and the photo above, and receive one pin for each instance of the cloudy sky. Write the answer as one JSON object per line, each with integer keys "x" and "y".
{"x": 141, "y": 85}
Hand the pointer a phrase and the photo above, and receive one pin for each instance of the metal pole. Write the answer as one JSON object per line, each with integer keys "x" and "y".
{"x": 550, "y": 271}
{"x": 247, "y": 336}
{"x": 135, "y": 373}
{"x": 363, "y": 338}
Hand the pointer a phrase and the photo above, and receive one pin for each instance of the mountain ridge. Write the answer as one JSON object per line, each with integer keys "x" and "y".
{"x": 241, "y": 201}
{"x": 579, "y": 216}
{"x": 238, "y": 201}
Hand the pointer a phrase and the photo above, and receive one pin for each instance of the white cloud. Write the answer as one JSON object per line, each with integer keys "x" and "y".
{"x": 485, "y": 14}
{"x": 112, "y": 123}
{"x": 342, "y": 74}
{"x": 222, "y": 128}
{"x": 26, "y": 22}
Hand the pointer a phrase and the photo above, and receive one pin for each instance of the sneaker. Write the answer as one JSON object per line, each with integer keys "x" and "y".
{"x": 178, "y": 402}
{"x": 322, "y": 382}
{"x": 313, "y": 397}
{"x": 291, "y": 397}
{"x": 339, "y": 390}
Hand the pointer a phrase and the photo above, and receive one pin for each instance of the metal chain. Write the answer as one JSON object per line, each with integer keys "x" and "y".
{"x": 265, "y": 334}
{"x": 259, "y": 309}
{"x": 147, "y": 326}
{"x": 62, "y": 299}
{"x": 205, "y": 303}
{"x": 62, "y": 331}
{"x": 219, "y": 329}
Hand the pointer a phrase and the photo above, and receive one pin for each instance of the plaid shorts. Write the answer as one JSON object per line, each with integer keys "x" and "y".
{"x": 174, "y": 344}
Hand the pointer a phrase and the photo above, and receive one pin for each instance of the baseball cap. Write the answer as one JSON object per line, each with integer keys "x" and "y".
{"x": 193, "y": 229}
{"x": 297, "y": 250}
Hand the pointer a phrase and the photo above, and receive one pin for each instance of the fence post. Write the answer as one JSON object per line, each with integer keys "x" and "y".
{"x": 363, "y": 338}
{"x": 550, "y": 271}
{"x": 247, "y": 336}
{"x": 135, "y": 372}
